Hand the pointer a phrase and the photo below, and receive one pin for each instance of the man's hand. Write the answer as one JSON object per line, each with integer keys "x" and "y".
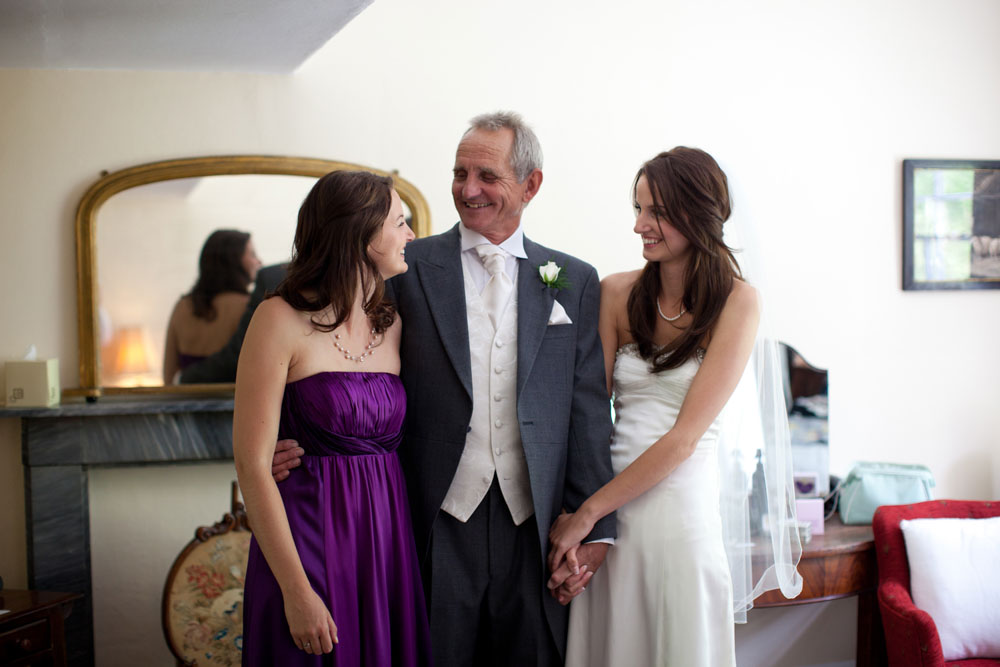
{"x": 564, "y": 585}
{"x": 286, "y": 457}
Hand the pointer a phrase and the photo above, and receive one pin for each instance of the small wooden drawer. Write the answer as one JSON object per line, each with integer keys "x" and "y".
{"x": 24, "y": 641}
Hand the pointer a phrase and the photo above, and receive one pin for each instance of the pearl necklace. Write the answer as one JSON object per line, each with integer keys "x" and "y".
{"x": 668, "y": 319}
{"x": 369, "y": 351}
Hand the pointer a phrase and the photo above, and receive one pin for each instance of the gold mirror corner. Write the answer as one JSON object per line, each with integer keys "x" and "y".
{"x": 88, "y": 252}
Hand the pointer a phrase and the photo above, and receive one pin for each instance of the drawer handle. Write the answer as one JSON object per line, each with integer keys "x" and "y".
{"x": 24, "y": 643}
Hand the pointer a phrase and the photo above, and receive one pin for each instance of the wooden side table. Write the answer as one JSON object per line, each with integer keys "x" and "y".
{"x": 32, "y": 631}
{"x": 837, "y": 564}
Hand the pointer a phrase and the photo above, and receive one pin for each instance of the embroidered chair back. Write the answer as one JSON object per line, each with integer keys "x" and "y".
{"x": 203, "y": 594}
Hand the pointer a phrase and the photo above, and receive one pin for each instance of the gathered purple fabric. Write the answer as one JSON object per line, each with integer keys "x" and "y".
{"x": 350, "y": 520}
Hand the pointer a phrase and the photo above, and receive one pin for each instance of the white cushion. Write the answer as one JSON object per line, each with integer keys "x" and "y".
{"x": 955, "y": 577}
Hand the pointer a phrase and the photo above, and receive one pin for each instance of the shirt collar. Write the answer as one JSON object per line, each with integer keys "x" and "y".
{"x": 514, "y": 244}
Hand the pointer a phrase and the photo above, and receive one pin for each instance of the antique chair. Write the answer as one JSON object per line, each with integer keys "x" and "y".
{"x": 911, "y": 635}
{"x": 203, "y": 594}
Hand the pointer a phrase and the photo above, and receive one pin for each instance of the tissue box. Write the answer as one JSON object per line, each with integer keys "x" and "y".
{"x": 33, "y": 384}
{"x": 811, "y": 510}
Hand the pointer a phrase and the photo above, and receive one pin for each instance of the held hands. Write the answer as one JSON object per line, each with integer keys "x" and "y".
{"x": 565, "y": 537}
{"x": 286, "y": 457}
{"x": 310, "y": 623}
{"x": 572, "y": 564}
{"x": 564, "y": 585}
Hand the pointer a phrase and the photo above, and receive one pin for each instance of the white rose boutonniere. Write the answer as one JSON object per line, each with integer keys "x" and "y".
{"x": 551, "y": 275}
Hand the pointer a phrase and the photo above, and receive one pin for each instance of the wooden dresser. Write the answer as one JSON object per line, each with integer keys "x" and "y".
{"x": 32, "y": 630}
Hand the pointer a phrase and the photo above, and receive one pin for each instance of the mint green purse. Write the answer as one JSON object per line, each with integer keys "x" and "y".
{"x": 871, "y": 485}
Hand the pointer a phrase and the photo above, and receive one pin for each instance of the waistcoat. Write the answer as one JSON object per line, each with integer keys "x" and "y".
{"x": 493, "y": 444}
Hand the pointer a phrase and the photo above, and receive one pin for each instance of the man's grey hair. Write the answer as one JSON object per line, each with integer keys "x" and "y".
{"x": 526, "y": 153}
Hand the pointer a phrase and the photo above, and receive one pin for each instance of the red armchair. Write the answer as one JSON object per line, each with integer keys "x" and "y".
{"x": 910, "y": 634}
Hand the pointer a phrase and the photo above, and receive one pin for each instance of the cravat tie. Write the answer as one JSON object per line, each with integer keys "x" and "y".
{"x": 497, "y": 291}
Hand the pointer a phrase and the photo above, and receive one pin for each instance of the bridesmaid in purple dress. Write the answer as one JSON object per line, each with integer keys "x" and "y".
{"x": 333, "y": 577}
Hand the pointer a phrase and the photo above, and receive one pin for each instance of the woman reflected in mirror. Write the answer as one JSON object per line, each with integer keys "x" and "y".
{"x": 204, "y": 319}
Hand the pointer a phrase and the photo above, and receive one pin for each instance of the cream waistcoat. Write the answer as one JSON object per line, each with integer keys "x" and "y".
{"x": 493, "y": 445}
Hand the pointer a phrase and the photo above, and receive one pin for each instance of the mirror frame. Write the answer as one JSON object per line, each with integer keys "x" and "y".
{"x": 167, "y": 170}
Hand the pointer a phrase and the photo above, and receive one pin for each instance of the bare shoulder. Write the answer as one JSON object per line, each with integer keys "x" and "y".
{"x": 276, "y": 317}
{"x": 274, "y": 307}
{"x": 181, "y": 307}
{"x": 619, "y": 284}
{"x": 615, "y": 289}
{"x": 184, "y": 307}
{"x": 743, "y": 299}
{"x": 182, "y": 317}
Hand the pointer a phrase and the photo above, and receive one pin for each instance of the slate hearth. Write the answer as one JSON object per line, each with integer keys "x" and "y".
{"x": 59, "y": 445}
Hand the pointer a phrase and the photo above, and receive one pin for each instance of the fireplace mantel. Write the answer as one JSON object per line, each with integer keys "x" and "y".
{"x": 59, "y": 445}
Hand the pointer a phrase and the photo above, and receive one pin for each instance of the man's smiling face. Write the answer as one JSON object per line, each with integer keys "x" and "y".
{"x": 487, "y": 194}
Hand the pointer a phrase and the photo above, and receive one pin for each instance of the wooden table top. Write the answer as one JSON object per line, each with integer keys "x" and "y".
{"x": 20, "y": 603}
{"x": 838, "y": 538}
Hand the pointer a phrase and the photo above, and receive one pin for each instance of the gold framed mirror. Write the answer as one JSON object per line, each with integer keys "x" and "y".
{"x": 155, "y": 226}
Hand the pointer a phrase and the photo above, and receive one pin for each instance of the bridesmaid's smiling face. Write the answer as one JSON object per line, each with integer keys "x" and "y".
{"x": 388, "y": 250}
{"x": 661, "y": 242}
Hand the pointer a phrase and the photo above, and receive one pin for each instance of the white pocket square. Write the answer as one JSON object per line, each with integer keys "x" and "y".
{"x": 558, "y": 315}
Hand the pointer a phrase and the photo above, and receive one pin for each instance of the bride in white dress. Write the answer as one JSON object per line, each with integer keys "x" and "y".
{"x": 677, "y": 337}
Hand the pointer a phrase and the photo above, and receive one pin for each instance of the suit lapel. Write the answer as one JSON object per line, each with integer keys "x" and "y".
{"x": 443, "y": 283}
{"x": 534, "y": 303}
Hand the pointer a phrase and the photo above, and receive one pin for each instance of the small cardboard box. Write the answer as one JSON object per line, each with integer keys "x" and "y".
{"x": 811, "y": 510}
{"x": 32, "y": 384}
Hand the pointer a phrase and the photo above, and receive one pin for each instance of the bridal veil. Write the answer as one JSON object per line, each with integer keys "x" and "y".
{"x": 757, "y": 493}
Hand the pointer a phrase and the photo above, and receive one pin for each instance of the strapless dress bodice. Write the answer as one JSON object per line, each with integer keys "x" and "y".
{"x": 336, "y": 413}
{"x": 647, "y": 404}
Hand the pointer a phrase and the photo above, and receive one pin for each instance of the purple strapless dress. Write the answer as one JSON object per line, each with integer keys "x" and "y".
{"x": 350, "y": 519}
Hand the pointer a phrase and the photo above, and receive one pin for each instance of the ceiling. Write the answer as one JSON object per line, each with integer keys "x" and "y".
{"x": 171, "y": 35}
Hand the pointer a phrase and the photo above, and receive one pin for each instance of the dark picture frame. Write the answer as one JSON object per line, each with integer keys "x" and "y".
{"x": 951, "y": 224}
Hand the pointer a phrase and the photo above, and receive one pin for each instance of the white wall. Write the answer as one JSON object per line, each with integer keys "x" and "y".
{"x": 810, "y": 107}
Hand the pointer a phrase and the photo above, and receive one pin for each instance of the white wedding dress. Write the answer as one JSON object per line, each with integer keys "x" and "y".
{"x": 664, "y": 594}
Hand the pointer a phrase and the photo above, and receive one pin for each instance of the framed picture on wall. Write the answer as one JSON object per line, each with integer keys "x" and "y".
{"x": 951, "y": 224}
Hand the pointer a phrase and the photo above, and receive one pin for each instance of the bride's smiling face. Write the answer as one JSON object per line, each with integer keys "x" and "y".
{"x": 661, "y": 242}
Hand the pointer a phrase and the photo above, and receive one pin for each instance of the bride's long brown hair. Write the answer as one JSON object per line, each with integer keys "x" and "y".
{"x": 691, "y": 194}
{"x": 340, "y": 217}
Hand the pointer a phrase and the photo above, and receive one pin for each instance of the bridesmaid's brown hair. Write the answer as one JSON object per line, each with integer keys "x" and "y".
{"x": 340, "y": 217}
{"x": 691, "y": 194}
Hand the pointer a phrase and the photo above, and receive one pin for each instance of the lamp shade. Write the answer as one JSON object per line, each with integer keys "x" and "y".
{"x": 130, "y": 352}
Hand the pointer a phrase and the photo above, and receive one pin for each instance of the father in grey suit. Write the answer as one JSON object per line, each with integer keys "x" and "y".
{"x": 508, "y": 417}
